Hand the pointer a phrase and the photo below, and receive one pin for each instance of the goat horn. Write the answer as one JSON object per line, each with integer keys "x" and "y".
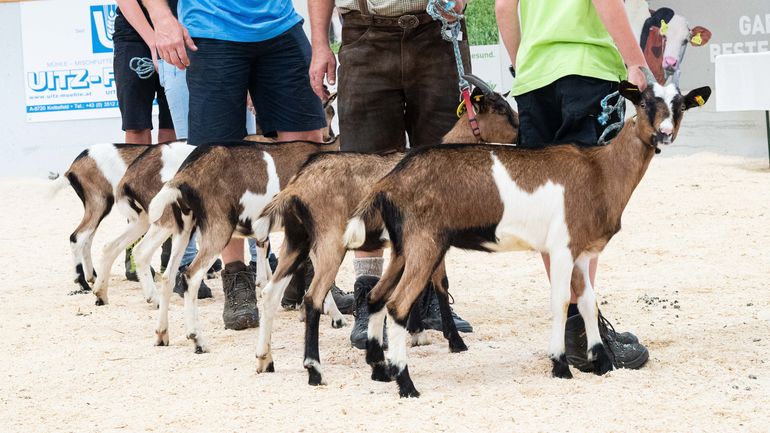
{"x": 648, "y": 74}
{"x": 478, "y": 82}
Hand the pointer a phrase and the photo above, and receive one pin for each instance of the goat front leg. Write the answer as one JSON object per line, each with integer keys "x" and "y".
{"x": 111, "y": 250}
{"x": 590, "y": 313}
{"x": 561, "y": 274}
{"x": 263, "y": 271}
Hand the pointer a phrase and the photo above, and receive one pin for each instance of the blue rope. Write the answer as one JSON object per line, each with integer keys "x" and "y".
{"x": 143, "y": 67}
{"x": 607, "y": 110}
{"x": 450, "y": 31}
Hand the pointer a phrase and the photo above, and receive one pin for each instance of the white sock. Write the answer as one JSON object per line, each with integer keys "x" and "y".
{"x": 368, "y": 266}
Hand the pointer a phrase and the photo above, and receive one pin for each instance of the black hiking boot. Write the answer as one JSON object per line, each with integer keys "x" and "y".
{"x": 240, "y": 297}
{"x": 431, "y": 313}
{"x": 180, "y": 285}
{"x": 300, "y": 282}
{"x": 344, "y": 301}
{"x": 624, "y": 349}
{"x": 212, "y": 272}
{"x": 165, "y": 255}
{"x": 361, "y": 289}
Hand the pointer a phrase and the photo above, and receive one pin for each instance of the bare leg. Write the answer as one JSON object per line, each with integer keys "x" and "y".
{"x": 139, "y": 136}
{"x": 233, "y": 252}
{"x": 166, "y": 135}
{"x": 316, "y": 135}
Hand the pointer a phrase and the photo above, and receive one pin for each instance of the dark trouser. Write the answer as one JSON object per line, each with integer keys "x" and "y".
{"x": 395, "y": 80}
{"x": 135, "y": 93}
{"x": 565, "y": 111}
{"x": 274, "y": 71}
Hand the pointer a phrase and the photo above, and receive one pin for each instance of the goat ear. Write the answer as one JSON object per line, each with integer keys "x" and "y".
{"x": 505, "y": 95}
{"x": 630, "y": 92}
{"x": 330, "y": 99}
{"x": 697, "y": 97}
{"x": 476, "y": 92}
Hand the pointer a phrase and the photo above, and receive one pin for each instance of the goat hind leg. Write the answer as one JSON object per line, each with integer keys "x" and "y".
{"x": 178, "y": 245}
{"x": 561, "y": 274}
{"x": 375, "y": 333}
{"x": 142, "y": 253}
{"x": 110, "y": 252}
{"x": 449, "y": 329}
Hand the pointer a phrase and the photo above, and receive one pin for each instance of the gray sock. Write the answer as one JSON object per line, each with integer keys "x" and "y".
{"x": 368, "y": 266}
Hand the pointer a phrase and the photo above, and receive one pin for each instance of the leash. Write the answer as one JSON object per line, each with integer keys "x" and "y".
{"x": 607, "y": 110}
{"x": 143, "y": 67}
{"x": 451, "y": 31}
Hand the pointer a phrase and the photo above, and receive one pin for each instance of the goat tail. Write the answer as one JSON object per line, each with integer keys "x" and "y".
{"x": 366, "y": 218}
{"x": 57, "y": 185}
{"x": 167, "y": 195}
{"x": 272, "y": 215}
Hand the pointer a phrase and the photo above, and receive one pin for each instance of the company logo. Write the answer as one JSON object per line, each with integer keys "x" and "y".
{"x": 102, "y": 27}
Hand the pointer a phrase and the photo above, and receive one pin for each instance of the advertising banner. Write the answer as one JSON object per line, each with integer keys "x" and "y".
{"x": 67, "y": 49}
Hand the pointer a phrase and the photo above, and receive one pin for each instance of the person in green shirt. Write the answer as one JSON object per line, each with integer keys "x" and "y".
{"x": 568, "y": 55}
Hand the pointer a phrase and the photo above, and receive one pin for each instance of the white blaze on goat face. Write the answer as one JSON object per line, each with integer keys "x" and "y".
{"x": 533, "y": 220}
{"x": 172, "y": 157}
{"x": 109, "y": 161}
{"x": 253, "y": 203}
{"x": 667, "y": 93}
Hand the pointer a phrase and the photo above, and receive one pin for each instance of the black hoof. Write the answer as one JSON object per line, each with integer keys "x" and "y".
{"x": 381, "y": 372}
{"x": 337, "y": 324}
{"x": 198, "y": 350}
{"x": 561, "y": 368}
{"x": 314, "y": 377}
{"x": 99, "y": 302}
{"x": 270, "y": 368}
{"x": 374, "y": 352}
{"x": 457, "y": 345}
{"x": 602, "y": 362}
{"x": 160, "y": 344}
{"x": 406, "y": 387}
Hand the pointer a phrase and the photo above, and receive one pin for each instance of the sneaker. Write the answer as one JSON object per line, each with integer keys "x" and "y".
{"x": 361, "y": 289}
{"x": 431, "y": 313}
{"x": 216, "y": 267}
{"x": 240, "y": 310}
{"x": 624, "y": 349}
{"x": 344, "y": 301}
{"x": 180, "y": 285}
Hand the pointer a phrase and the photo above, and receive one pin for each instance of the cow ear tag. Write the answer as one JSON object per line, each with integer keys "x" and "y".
{"x": 697, "y": 39}
{"x": 663, "y": 27}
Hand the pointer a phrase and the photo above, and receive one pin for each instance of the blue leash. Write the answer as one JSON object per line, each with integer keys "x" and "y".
{"x": 607, "y": 110}
{"x": 450, "y": 32}
{"x": 143, "y": 67}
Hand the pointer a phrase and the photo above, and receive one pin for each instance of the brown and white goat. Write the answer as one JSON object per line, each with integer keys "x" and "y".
{"x": 219, "y": 190}
{"x": 94, "y": 175}
{"x": 315, "y": 207}
{"x": 562, "y": 200}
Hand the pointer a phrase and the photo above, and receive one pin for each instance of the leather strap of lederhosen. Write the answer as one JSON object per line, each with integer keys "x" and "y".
{"x": 363, "y": 7}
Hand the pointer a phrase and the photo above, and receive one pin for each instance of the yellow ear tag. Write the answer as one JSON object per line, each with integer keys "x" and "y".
{"x": 461, "y": 109}
{"x": 699, "y": 100}
{"x": 663, "y": 27}
{"x": 697, "y": 39}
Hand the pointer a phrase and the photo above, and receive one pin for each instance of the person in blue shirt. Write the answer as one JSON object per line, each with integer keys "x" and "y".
{"x": 229, "y": 48}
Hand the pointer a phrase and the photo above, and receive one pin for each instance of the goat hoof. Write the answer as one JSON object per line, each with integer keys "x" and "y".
{"x": 161, "y": 338}
{"x": 561, "y": 368}
{"x": 99, "y": 302}
{"x": 381, "y": 372}
{"x": 406, "y": 387}
{"x": 601, "y": 361}
{"x": 314, "y": 377}
{"x": 457, "y": 346}
{"x": 339, "y": 323}
{"x": 265, "y": 364}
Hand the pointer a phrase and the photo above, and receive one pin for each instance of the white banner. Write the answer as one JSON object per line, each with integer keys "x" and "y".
{"x": 67, "y": 48}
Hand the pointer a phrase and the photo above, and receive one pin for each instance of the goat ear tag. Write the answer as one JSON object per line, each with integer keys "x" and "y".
{"x": 461, "y": 109}
{"x": 697, "y": 40}
{"x": 699, "y": 100}
{"x": 663, "y": 27}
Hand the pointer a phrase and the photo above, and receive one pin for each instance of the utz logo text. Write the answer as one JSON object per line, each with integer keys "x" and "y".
{"x": 102, "y": 27}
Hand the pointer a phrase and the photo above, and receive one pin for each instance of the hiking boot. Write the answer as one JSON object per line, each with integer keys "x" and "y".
{"x": 300, "y": 281}
{"x": 624, "y": 349}
{"x": 212, "y": 272}
{"x": 131, "y": 274}
{"x": 180, "y": 285}
{"x": 431, "y": 313}
{"x": 344, "y": 301}
{"x": 361, "y": 289}
{"x": 240, "y": 297}
{"x": 165, "y": 255}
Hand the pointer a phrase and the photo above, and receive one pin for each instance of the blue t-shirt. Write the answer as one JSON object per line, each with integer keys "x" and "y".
{"x": 237, "y": 20}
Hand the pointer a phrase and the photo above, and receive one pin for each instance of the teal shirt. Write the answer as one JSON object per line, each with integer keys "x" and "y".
{"x": 560, "y": 38}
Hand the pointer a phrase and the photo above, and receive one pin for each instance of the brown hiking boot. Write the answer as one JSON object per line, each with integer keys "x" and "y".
{"x": 240, "y": 297}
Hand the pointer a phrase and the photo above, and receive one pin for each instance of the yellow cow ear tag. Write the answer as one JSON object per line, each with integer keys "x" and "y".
{"x": 699, "y": 100}
{"x": 663, "y": 27}
{"x": 697, "y": 39}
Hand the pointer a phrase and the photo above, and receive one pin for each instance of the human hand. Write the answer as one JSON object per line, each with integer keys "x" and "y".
{"x": 459, "y": 7}
{"x": 322, "y": 64}
{"x": 637, "y": 77}
{"x": 171, "y": 41}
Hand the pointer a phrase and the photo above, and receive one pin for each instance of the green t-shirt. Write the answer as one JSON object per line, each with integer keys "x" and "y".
{"x": 560, "y": 38}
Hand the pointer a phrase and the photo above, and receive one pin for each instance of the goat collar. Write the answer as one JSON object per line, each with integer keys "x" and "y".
{"x": 472, "y": 121}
